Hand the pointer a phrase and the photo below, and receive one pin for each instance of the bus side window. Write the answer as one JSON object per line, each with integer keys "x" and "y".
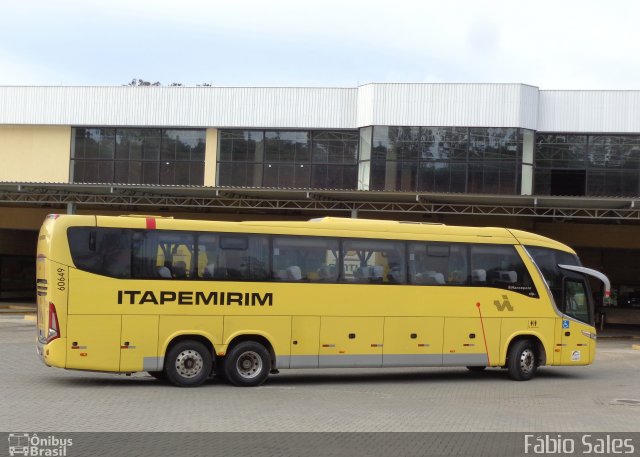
{"x": 438, "y": 263}
{"x": 104, "y": 251}
{"x": 501, "y": 267}
{"x": 158, "y": 254}
{"x": 243, "y": 257}
{"x": 208, "y": 257}
{"x": 298, "y": 258}
{"x": 373, "y": 261}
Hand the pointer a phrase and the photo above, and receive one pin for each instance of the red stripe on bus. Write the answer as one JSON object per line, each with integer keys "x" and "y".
{"x": 151, "y": 223}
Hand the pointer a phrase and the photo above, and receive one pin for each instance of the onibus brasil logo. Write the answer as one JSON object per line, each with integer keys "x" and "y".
{"x": 33, "y": 445}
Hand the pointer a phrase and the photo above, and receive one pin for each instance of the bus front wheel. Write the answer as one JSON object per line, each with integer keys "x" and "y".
{"x": 188, "y": 364}
{"x": 522, "y": 360}
{"x": 247, "y": 364}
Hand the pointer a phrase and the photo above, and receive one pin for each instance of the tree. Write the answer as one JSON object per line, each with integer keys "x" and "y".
{"x": 136, "y": 82}
{"x": 141, "y": 82}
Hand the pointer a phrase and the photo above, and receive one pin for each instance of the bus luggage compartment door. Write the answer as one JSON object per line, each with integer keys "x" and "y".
{"x": 305, "y": 338}
{"x": 93, "y": 342}
{"x": 351, "y": 341}
{"x": 412, "y": 341}
{"x": 465, "y": 338}
{"x": 139, "y": 344}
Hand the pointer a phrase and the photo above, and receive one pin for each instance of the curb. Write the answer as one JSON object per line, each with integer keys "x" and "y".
{"x": 618, "y": 337}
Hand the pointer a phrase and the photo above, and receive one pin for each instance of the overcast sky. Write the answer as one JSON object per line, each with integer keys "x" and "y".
{"x": 549, "y": 44}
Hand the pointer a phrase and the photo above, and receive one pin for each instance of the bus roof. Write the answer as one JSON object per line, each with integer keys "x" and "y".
{"x": 332, "y": 226}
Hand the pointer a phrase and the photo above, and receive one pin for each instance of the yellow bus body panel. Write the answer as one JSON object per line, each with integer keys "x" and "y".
{"x": 305, "y": 342}
{"x": 351, "y": 341}
{"x": 93, "y": 342}
{"x": 540, "y": 327}
{"x": 176, "y": 325}
{"x": 413, "y": 340}
{"x": 275, "y": 329}
{"x": 139, "y": 343}
{"x": 55, "y": 353}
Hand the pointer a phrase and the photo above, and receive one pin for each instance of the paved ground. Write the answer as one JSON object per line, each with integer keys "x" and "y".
{"x": 601, "y": 397}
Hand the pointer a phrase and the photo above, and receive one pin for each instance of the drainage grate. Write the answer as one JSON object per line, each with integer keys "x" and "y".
{"x": 625, "y": 402}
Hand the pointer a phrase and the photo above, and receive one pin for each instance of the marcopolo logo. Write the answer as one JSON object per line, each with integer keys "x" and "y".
{"x": 506, "y": 304}
{"x": 33, "y": 445}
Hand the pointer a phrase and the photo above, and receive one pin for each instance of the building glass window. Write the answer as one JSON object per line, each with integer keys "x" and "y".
{"x": 138, "y": 156}
{"x": 591, "y": 165}
{"x": 323, "y": 159}
{"x": 446, "y": 159}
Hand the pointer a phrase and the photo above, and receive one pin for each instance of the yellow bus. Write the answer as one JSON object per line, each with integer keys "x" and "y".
{"x": 183, "y": 300}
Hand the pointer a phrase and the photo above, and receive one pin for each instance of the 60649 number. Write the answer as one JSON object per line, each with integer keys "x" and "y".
{"x": 61, "y": 279}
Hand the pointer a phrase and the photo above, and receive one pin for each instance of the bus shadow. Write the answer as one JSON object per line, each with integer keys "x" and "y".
{"x": 320, "y": 377}
{"x": 454, "y": 375}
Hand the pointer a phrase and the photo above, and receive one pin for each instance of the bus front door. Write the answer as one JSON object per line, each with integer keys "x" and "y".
{"x": 576, "y": 306}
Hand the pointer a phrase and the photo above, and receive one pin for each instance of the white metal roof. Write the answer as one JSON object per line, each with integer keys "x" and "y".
{"x": 465, "y": 105}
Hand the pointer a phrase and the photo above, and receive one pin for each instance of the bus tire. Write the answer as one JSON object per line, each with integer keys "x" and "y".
{"x": 188, "y": 364}
{"x": 522, "y": 360}
{"x": 247, "y": 364}
{"x": 476, "y": 368}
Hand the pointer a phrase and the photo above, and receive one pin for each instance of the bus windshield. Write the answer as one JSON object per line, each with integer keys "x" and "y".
{"x": 548, "y": 261}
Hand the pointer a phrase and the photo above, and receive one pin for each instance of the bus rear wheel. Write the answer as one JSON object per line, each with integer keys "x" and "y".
{"x": 247, "y": 364}
{"x": 522, "y": 360}
{"x": 188, "y": 364}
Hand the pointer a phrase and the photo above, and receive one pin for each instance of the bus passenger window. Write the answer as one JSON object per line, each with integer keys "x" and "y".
{"x": 208, "y": 256}
{"x": 501, "y": 267}
{"x": 438, "y": 263}
{"x": 242, "y": 258}
{"x": 373, "y": 262}
{"x": 104, "y": 251}
{"x": 117, "y": 258}
{"x": 160, "y": 254}
{"x": 301, "y": 258}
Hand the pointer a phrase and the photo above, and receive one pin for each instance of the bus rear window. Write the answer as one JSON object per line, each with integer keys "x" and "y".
{"x": 104, "y": 251}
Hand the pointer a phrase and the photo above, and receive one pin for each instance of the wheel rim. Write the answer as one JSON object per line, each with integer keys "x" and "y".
{"x": 527, "y": 361}
{"x": 249, "y": 365}
{"x": 189, "y": 363}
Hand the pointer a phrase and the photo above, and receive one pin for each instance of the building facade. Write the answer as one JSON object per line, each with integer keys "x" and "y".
{"x": 561, "y": 163}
